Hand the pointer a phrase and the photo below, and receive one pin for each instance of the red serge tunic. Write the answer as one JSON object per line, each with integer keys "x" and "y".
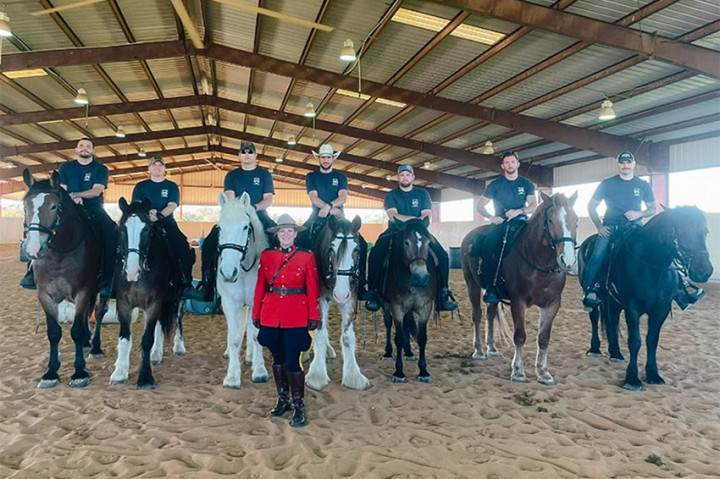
{"x": 278, "y": 310}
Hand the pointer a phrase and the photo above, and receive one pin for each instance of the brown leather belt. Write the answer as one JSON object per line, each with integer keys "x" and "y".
{"x": 283, "y": 291}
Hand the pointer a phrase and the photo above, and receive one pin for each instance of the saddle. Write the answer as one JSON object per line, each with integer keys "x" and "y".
{"x": 487, "y": 248}
{"x": 616, "y": 240}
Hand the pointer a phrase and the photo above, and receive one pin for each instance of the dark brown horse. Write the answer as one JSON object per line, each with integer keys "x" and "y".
{"x": 642, "y": 278}
{"x": 66, "y": 261}
{"x": 409, "y": 292}
{"x": 534, "y": 271}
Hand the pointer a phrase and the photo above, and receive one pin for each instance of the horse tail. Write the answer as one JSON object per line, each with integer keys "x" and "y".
{"x": 503, "y": 327}
{"x": 410, "y": 325}
{"x": 167, "y": 318}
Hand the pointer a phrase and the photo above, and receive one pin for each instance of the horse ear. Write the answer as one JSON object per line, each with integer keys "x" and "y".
{"x": 123, "y": 204}
{"x": 222, "y": 198}
{"x": 356, "y": 223}
{"x": 55, "y": 180}
{"x": 146, "y": 204}
{"x": 28, "y": 178}
{"x": 245, "y": 199}
{"x": 544, "y": 196}
{"x": 573, "y": 198}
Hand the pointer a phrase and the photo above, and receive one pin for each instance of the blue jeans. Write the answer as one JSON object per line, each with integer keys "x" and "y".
{"x": 602, "y": 243}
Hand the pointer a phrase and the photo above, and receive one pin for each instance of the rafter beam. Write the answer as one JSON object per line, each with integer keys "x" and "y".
{"x": 697, "y": 58}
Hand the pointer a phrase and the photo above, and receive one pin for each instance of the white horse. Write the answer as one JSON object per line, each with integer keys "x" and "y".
{"x": 336, "y": 254}
{"x": 242, "y": 239}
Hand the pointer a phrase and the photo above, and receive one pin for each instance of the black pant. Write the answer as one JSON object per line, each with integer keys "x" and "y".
{"x": 106, "y": 231}
{"x": 285, "y": 345}
{"x": 381, "y": 250}
{"x": 179, "y": 247}
{"x": 492, "y": 245}
{"x": 208, "y": 251}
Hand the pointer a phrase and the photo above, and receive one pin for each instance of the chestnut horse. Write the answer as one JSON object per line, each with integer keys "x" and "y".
{"x": 534, "y": 272}
{"x": 67, "y": 258}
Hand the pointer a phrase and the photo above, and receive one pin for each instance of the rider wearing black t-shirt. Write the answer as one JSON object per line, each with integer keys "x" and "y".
{"x": 164, "y": 197}
{"x": 404, "y": 203}
{"x": 513, "y": 198}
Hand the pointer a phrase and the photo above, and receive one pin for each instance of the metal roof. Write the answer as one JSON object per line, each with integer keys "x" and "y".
{"x": 538, "y": 90}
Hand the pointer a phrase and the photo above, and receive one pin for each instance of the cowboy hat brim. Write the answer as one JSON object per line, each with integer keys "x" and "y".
{"x": 334, "y": 155}
{"x": 275, "y": 229}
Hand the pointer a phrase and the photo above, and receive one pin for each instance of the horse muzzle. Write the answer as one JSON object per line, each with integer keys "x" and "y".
{"x": 419, "y": 274}
{"x": 700, "y": 269}
{"x": 35, "y": 249}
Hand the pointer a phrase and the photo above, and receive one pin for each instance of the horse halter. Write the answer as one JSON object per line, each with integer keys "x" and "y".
{"x": 53, "y": 229}
{"x": 682, "y": 257}
{"x": 353, "y": 272}
{"x": 552, "y": 242}
{"x": 238, "y": 247}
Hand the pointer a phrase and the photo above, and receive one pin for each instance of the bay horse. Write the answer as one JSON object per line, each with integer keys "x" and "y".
{"x": 67, "y": 257}
{"x": 336, "y": 250}
{"x": 148, "y": 278}
{"x": 409, "y": 293}
{"x": 534, "y": 271}
{"x": 642, "y": 279}
{"x": 241, "y": 240}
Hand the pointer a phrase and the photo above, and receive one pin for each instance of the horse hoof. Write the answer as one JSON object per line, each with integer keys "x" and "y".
{"x": 397, "y": 379}
{"x": 479, "y": 356}
{"x": 658, "y": 381}
{"x": 518, "y": 379}
{"x": 231, "y": 386}
{"x": 79, "y": 383}
{"x": 117, "y": 382}
{"x": 547, "y": 381}
{"x": 632, "y": 387}
{"x": 425, "y": 379}
{"x": 179, "y": 353}
{"x": 260, "y": 379}
{"x": 386, "y": 358}
{"x": 248, "y": 362}
{"x": 48, "y": 383}
{"x": 592, "y": 354}
{"x": 146, "y": 387}
{"x": 359, "y": 385}
{"x": 617, "y": 360}
{"x": 99, "y": 355}
{"x": 494, "y": 354}
{"x": 410, "y": 358}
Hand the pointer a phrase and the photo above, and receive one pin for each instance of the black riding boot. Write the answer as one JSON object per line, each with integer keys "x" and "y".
{"x": 283, "y": 404}
{"x": 446, "y": 300}
{"x": 372, "y": 300}
{"x": 28, "y": 281}
{"x": 491, "y": 295}
{"x": 297, "y": 388}
{"x": 688, "y": 294}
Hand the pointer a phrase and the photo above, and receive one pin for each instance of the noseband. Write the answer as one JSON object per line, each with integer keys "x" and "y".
{"x": 684, "y": 258}
{"x": 144, "y": 264}
{"x": 53, "y": 229}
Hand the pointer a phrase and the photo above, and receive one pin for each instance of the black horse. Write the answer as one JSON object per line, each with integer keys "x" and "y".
{"x": 67, "y": 257}
{"x": 642, "y": 278}
{"x": 147, "y": 278}
{"x": 409, "y": 292}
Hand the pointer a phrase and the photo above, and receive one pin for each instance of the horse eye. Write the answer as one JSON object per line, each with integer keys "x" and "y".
{"x": 53, "y": 207}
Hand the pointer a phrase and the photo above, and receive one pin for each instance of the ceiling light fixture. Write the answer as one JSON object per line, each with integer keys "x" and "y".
{"x": 291, "y": 141}
{"x": 120, "y": 132}
{"x": 82, "y": 98}
{"x": 348, "y": 51}
{"x": 488, "y": 149}
{"x": 142, "y": 153}
{"x": 278, "y": 160}
{"x": 606, "y": 110}
{"x": 426, "y": 165}
{"x": 309, "y": 110}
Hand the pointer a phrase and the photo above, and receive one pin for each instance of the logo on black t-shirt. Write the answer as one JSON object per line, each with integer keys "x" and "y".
{"x": 636, "y": 191}
{"x": 256, "y": 180}
{"x": 164, "y": 193}
{"x": 415, "y": 202}
{"x": 334, "y": 181}
{"x": 521, "y": 190}
{"x": 88, "y": 176}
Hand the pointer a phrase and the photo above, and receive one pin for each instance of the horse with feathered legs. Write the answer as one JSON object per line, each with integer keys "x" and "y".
{"x": 336, "y": 250}
{"x": 534, "y": 271}
{"x": 241, "y": 240}
{"x": 67, "y": 258}
{"x": 148, "y": 278}
{"x": 409, "y": 292}
{"x": 642, "y": 278}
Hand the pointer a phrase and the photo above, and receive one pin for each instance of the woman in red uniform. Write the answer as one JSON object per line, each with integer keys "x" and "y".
{"x": 285, "y": 308}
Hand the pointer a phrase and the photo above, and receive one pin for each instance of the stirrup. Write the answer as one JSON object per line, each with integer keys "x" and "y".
{"x": 491, "y": 296}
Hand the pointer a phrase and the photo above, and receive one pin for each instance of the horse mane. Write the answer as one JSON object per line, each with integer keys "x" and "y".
{"x": 233, "y": 211}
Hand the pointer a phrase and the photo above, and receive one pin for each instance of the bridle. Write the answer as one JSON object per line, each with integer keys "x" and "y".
{"x": 552, "y": 242}
{"x": 144, "y": 263}
{"x": 240, "y": 248}
{"x": 353, "y": 272}
{"x": 682, "y": 257}
{"x": 53, "y": 229}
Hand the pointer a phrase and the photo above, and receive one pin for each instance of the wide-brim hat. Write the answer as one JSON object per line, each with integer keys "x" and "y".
{"x": 285, "y": 221}
{"x": 326, "y": 150}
